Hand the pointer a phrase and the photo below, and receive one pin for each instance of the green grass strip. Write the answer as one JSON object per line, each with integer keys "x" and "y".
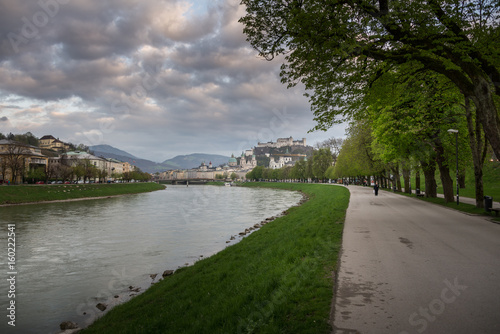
{"x": 38, "y": 193}
{"x": 463, "y": 207}
{"x": 277, "y": 280}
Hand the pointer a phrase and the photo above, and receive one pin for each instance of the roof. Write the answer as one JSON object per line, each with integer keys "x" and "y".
{"x": 47, "y": 137}
{"x": 82, "y": 155}
{"x": 13, "y": 142}
{"x": 25, "y": 148}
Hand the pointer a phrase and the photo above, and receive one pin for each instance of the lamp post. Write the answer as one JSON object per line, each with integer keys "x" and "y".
{"x": 456, "y": 144}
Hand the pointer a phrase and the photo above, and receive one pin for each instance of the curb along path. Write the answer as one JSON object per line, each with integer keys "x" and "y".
{"x": 408, "y": 266}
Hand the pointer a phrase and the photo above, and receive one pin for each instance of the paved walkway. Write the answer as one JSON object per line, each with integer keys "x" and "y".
{"x": 408, "y": 266}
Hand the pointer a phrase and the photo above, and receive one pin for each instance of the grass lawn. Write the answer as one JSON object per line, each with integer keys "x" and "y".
{"x": 278, "y": 279}
{"x": 38, "y": 193}
{"x": 491, "y": 181}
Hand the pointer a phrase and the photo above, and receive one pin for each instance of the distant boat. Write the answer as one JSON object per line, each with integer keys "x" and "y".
{"x": 227, "y": 184}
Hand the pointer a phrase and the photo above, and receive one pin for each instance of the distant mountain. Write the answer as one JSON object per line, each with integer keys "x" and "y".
{"x": 179, "y": 162}
{"x": 108, "y": 149}
{"x": 194, "y": 160}
{"x": 149, "y": 166}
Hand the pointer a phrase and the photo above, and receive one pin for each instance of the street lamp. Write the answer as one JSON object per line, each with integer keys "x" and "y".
{"x": 456, "y": 138}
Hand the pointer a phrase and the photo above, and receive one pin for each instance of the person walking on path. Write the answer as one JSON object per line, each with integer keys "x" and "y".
{"x": 375, "y": 189}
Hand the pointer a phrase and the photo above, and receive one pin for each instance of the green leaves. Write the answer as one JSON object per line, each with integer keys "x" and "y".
{"x": 339, "y": 49}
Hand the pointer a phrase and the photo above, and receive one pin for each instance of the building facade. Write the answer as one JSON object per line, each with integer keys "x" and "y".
{"x": 51, "y": 143}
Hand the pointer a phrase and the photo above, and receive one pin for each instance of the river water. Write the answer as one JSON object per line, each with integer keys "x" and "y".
{"x": 71, "y": 256}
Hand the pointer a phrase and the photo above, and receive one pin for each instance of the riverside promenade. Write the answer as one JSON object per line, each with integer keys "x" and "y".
{"x": 408, "y": 266}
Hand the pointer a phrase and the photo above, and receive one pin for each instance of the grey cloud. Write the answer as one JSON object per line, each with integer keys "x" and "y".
{"x": 151, "y": 73}
{"x": 11, "y": 106}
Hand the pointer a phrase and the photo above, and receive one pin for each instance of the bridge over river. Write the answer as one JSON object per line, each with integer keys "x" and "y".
{"x": 187, "y": 181}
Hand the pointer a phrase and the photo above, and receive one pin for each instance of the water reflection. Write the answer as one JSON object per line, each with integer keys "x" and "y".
{"x": 72, "y": 255}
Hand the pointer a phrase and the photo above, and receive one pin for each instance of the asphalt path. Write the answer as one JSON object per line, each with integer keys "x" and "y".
{"x": 408, "y": 266}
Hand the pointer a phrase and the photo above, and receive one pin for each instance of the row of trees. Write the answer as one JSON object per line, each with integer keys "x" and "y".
{"x": 84, "y": 170}
{"x": 226, "y": 175}
{"x": 404, "y": 126}
{"x": 316, "y": 168}
{"x": 402, "y": 72}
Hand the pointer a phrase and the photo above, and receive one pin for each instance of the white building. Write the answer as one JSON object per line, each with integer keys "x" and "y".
{"x": 248, "y": 163}
{"x": 114, "y": 166}
{"x": 282, "y": 142}
{"x": 281, "y": 160}
{"x": 78, "y": 156}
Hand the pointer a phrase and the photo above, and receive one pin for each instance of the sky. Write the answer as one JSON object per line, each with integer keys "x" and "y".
{"x": 154, "y": 78}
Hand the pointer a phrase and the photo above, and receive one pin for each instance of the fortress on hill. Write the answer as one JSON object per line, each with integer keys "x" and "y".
{"x": 282, "y": 142}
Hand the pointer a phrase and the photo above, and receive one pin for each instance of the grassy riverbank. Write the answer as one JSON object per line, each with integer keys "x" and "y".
{"x": 276, "y": 280}
{"x": 39, "y": 193}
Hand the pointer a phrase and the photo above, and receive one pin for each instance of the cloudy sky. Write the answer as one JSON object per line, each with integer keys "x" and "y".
{"x": 154, "y": 78}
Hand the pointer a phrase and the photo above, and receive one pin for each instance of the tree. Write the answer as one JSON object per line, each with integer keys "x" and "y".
{"x": 357, "y": 156}
{"x": 90, "y": 171}
{"x": 3, "y": 167}
{"x": 28, "y": 138}
{"x": 36, "y": 174}
{"x": 309, "y": 169}
{"x": 285, "y": 173}
{"x": 479, "y": 147}
{"x": 330, "y": 173}
{"x": 401, "y": 134}
{"x": 256, "y": 173}
{"x": 334, "y": 144}
{"x": 102, "y": 174}
{"x": 14, "y": 156}
{"x": 337, "y": 49}
{"x": 322, "y": 160}
{"x": 82, "y": 147}
{"x": 127, "y": 176}
{"x": 234, "y": 176}
{"x": 299, "y": 170}
{"x": 79, "y": 171}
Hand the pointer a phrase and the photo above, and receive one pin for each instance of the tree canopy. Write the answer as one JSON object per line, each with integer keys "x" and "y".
{"x": 338, "y": 49}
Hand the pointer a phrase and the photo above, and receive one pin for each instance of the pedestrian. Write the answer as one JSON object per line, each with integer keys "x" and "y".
{"x": 375, "y": 189}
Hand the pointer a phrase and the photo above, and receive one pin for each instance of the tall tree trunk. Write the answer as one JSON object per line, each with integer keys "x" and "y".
{"x": 478, "y": 149}
{"x": 429, "y": 169}
{"x": 486, "y": 112}
{"x": 461, "y": 178}
{"x": 397, "y": 178}
{"x": 417, "y": 179}
{"x": 384, "y": 178}
{"x": 444, "y": 172}
{"x": 406, "y": 177}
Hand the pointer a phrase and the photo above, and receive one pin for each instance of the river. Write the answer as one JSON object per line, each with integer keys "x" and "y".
{"x": 71, "y": 256}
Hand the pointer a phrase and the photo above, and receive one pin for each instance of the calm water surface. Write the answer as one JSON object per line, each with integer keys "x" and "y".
{"x": 71, "y": 256}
